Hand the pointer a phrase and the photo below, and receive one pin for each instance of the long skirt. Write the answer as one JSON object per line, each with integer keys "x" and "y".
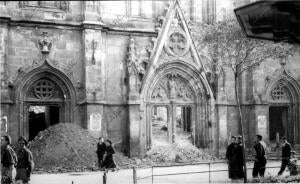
{"x": 108, "y": 162}
{"x": 23, "y": 174}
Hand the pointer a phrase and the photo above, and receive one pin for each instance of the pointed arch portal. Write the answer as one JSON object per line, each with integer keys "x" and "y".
{"x": 44, "y": 96}
{"x": 177, "y": 106}
{"x": 283, "y": 98}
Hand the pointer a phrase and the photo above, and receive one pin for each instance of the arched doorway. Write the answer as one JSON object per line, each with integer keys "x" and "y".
{"x": 45, "y": 97}
{"x": 284, "y": 110}
{"x": 177, "y": 107}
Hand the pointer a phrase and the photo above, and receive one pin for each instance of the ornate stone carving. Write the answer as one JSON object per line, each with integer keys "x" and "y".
{"x": 177, "y": 44}
{"x": 45, "y": 43}
{"x": 79, "y": 84}
{"x": 10, "y": 84}
{"x": 159, "y": 93}
{"x": 20, "y": 70}
{"x": 137, "y": 65}
{"x": 172, "y": 86}
{"x": 68, "y": 69}
{"x": 94, "y": 47}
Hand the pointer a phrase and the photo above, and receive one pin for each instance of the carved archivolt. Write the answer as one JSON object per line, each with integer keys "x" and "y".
{"x": 172, "y": 86}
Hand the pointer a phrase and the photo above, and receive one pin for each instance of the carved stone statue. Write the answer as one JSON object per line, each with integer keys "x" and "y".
{"x": 158, "y": 93}
{"x": 172, "y": 88}
{"x": 45, "y": 43}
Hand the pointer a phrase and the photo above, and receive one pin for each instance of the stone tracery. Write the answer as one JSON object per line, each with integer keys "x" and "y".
{"x": 172, "y": 86}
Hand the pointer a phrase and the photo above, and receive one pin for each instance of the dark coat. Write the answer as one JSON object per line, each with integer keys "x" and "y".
{"x": 25, "y": 164}
{"x": 108, "y": 161}
{"x": 260, "y": 152}
{"x": 8, "y": 156}
{"x": 25, "y": 159}
{"x": 286, "y": 151}
{"x": 240, "y": 161}
{"x": 101, "y": 150}
{"x": 232, "y": 157}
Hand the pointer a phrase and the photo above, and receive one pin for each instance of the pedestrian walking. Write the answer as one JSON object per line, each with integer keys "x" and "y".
{"x": 25, "y": 162}
{"x": 293, "y": 164}
{"x": 101, "y": 147}
{"x": 240, "y": 158}
{"x": 286, "y": 154}
{"x": 8, "y": 160}
{"x": 108, "y": 161}
{"x": 260, "y": 160}
{"x": 231, "y": 157}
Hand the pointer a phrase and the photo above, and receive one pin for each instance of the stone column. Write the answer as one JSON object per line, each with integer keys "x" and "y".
{"x": 4, "y": 83}
{"x": 93, "y": 84}
{"x": 136, "y": 130}
{"x": 3, "y": 61}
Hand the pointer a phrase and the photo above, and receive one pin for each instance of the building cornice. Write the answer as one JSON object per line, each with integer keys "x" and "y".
{"x": 95, "y": 25}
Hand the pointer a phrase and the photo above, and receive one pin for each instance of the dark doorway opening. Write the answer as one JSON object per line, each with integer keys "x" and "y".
{"x": 40, "y": 118}
{"x": 278, "y": 121}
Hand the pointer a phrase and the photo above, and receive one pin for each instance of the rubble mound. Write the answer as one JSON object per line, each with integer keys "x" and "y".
{"x": 64, "y": 147}
{"x": 178, "y": 153}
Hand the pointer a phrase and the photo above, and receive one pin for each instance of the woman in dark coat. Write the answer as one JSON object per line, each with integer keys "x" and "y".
{"x": 25, "y": 161}
{"x": 101, "y": 147}
{"x": 231, "y": 157}
{"x": 108, "y": 161}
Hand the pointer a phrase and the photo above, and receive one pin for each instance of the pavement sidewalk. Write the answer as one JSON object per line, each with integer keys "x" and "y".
{"x": 145, "y": 175}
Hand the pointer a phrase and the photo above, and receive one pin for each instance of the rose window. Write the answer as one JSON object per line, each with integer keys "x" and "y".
{"x": 177, "y": 43}
{"x": 278, "y": 93}
{"x": 44, "y": 89}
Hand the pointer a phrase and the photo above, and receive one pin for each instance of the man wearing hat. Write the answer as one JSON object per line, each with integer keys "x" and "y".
{"x": 231, "y": 157}
{"x": 286, "y": 154}
{"x": 25, "y": 161}
{"x": 260, "y": 158}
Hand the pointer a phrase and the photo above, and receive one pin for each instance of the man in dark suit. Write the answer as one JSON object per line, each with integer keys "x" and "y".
{"x": 286, "y": 154}
{"x": 260, "y": 158}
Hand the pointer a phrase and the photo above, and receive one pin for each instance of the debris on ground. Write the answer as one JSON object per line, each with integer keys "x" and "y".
{"x": 64, "y": 147}
{"x": 67, "y": 147}
{"x": 178, "y": 153}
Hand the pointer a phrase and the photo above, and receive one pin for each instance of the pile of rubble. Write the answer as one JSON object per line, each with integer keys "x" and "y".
{"x": 64, "y": 147}
{"x": 178, "y": 153}
{"x": 67, "y": 147}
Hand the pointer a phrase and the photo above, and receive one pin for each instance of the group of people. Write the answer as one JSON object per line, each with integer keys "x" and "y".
{"x": 234, "y": 155}
{"x": 20, "y": 161}
{"x": 105, "y": 153}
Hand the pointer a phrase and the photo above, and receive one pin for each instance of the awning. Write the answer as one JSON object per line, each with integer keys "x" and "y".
{"x": 271, "y": 19}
